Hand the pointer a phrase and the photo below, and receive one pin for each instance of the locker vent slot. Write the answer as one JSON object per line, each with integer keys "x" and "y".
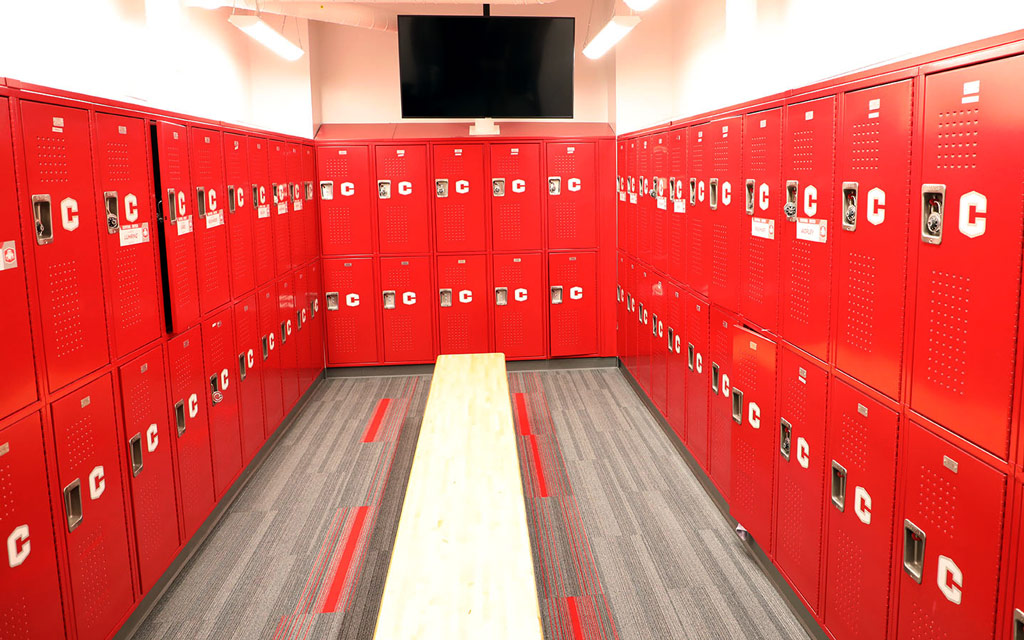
{"x": 859, "y": 321}
{"x": 957, "y": 145}
{"x": 52, "y": 154}
{"x": 866, "y": 145}
{"x": 949, "y": 320}
{"x": 803, "y": 150}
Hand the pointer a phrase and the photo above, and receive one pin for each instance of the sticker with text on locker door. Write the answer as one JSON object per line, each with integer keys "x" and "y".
{"x": 812, "y": 230}
{"x": 764, "y": 228}
{"x": 132, "y": 234}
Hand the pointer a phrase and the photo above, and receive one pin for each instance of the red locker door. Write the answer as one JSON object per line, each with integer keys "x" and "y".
{"x": 289, "y": 347}
{"x": 725, "y": 209}
{"x": 805, "y": 271}
{"x": 297, "y": 220}
{"x": 762, "y": 199}
{"x": 698, "y": 217}
{"x": 19, "y": 377}
{"x": 352, "y": 328}
{"x": 676, "y": 213}
{"x": 698, "y": 385}
{"x": 800, "y": 499}
{"x": 188, "y": 389}
{"x": 659, "y": 201}
{"x": 515, "y": 197}
{"x": 621, "y": 313}
{"x": 621, "y": 195}
{"x": 659, "y": 353}
{"x": 573, "y": 278}
{"x": 270, "y": 352}
{"x": 753, "y": 433}
{"x": 177, "y": 237}
{"x": 281, "y": 190}
{"x": 459, "y": 197}
{"x": 1015, "y": 617}
{"x": 88, "y": 470}
{"x": 952, "y": 515}
{"x": 315, "y": 308}
{"x": 632, "y": 185}
{"x": 302, "y": 334}
{"x": 642, "y": 365}
{"x": 148, "y": 442}
{"x": 519, "y": 306}
{"x": 30, "y": 603}
{"x": 862, "y": 470}
{"x": 720, "y": 401}
{"x": 632, "y": 326}
{"x": 462, "y": 304}
{"x": 124, "y": 175}
{"x": 406, "y": 309}
{"x": 968, "y": 276}
{"x": 250, "y": 377}
{"x": 644, "y": 199}
{"x": 241, "y": 213}
{"x": 572, "y": 195}
{"x": 263, "y": 224}
{"x": 403, "y": 215}
{"x": 312, "y": 229}
{"x": 346, "y": 209}
{"x": 222, "y": 399}
{"x": 675, "y": 343}
{"x": 67, "y": 265}
{"x": 210, "y": 201}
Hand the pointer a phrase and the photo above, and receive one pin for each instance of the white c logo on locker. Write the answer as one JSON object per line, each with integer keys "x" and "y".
{"x": 862, "y": 505}
{"x": 152, "y": 438}
{"x": 193, "y": 400}
{"x": 409, "y": 298}
{"x": 950, "y": 579}
{"x": 96, "y": 483}
{"x": 465, "y": 296}
{"x": 347, "y": 189}
{"x": 726, "y": 193}
{"x": 462, "y": 186}
{"x": 763, "y": 199}
{"x": 131, "y": 208}
{"x": 352, "y": 300}
{"x": 803, "y": 453}
{"x": 69, "y": 207}
{"x": 978, "y": 202}
{"x": 876, "y": 206}
{"x": 811, "y": 200}
{"x": 576, "y": 293}
{"x": 754, "y": 415}
{"x": 404, "y": 188}
{"x": 519, "y": 186}
{"x": 18, "y": 546}
{"x": 520, "y": 295}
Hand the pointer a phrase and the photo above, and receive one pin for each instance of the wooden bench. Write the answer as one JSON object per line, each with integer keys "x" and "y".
{"x": 461, "y": 566}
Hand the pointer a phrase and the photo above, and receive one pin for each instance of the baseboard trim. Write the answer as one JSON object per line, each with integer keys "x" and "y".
{"x": 556, "y": 364}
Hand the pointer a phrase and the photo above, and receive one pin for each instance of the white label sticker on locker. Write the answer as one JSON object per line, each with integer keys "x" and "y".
{"x": 184, "y": 225}
{"x": 632, "y": 198}
{"x": 461, "y": 261}
{"x": 679, "y": 206}
{"x": 263, "y": 211}
{"x": 762, "y": 228}
{"x": 812, "y": 230}
{"x": 458, "y": 152}
{"x": 214, "y": 219}
{"x": 59, "y": 122}
{"x": 570, "y": 150}
{"x": 515, "y": 151}
{"x": 663, "y": 204}
{"x": 4, "y": 448}
{"x": 297, "y": 205}
{"x": 86, "y": 401}
{"x": 622, "y": 196}
{"x": 874, "y": 105}
{"x": 764, "y": 123}
{"x": 133, "y": 234}
{"x": 808, "y": 115}
{"x": 401, "y": 153}
{"x": 123, "y": 130}
{"x": 517, "y": 259}
{"x": 8, "y": 255}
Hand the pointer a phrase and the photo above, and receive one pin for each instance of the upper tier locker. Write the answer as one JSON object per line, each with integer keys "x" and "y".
{"x": 262, "y": 197}
{"x": 724, "y": 214}
{"x": 346, "y": 202}
{"x": 621, "y": 195}
{"x": 698, "y": 218}
{"x": 210, "y": 200}
{"x": 459, "y": 197}
{"x": 297, "y": 223}
{"x": 310, "y": 202}
{"x": 516, "y": 213}
{"x": 278, "y": 157}
{"x": 676, "y": 171}
{"x": 403, "y": 210}
{"x": 644, "y": 200}
{"x": 241, "y": 209}
{"x": 572, "y": 195}
{"x": 658, "y": 202}
{"x": 633, "y": 180}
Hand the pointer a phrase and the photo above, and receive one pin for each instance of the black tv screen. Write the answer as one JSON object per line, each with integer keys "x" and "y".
{"x": 486, "y": 66}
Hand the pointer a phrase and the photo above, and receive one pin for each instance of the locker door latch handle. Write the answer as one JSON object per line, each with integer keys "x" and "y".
{"x": 298, "y": 318}
{"x": 383, "y": 189}
{"x": 332, "y": 300}
{"x": 284, "y": 332}
{"x": 713, "y": 193}
{"x": 693, "y": 192}
{"x": 216, "y": 397}
{"x": 498, "y": 187}
{"x": 689, "y": 356}
{"x": 309, "y": 190}
{"x": 314, "y": 306}
{"x": 135, "y": 449}
{"x": 933, "y": 199}
{"x": 671, "y": 339}
{"x": 838, "y": 486}
{"x": 274, "y": 192}
{"x": 231, "y": 199}
{"x": 110, "y": 205}
{"x": 500, "y": 296}
{"x": 750, "y": 196}
{"x": 913, "y": 550}
{"x": 73, "y": 504}
{"x": 715, "y": 376}
{"x": 556, "y": 294}
{"x": 201, "y": 201}
{"x": 654, "y": 187}
{"x": 389, "y": 299}
{"x": 737, "y": 406}
{"x": 44, "y": 218}
{"x": 441, "y": 187}
{"x": 850, "y": 206}
{"x": 792, "y": 195}
{"x": 618, "y": 293}
{"x": 171, "y": 205}
{"x": 264, "y": 345}
{"x": 179, "y": 417}
{"x": 243, "y": 367}
{"x": 654, "y": 324}
{"x": 446, "y": 297}
{"x": 672, "y": 189}
{"x": 1018, "y": 624}
{"x": 326, "y": 190}
{"x": 554, "y": 185}
{"x": 785, "y": 438}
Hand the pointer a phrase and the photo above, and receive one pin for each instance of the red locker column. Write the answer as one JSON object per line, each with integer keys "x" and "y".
{"x": 302, "y": 333}
{"x": 1014, "y": 620}
{"x": 698, "y": 385}
{"x": 462, "y": 304}
{"x": 805, "y": 272}
{"x": 250, "y": 377}
{"x": 19, "y": 377}
{"x": 953, "y": 518}
{"x": 698, "y": 219}
{"x": 263, "y": 224}
{"x": 346, "y": 208}
{"x": 725, "y": 209}
{"x": 222, "y": 398}
{"x": 642, "y": 367}
{"x": 241, "y": 213}
{"x": 572, "y": 195}
{"x": 621, "y": 306}
{"x": 760, "y": 225}
{"x": 676, "y": 214}
{"x": 30, "y": 602}
{"x": 632, "y": 187}
{"x": 147, "y": 440}
{"x": 675, "y": 343}
{"x": 67, "y": 263}
{"x": 403, "y": 212}
{"x": 658, "y": 205}
{"x": 720, "y": 401}
{"x": 621, "y": 194}
{"x": 282, "y": 195}
{"x": 407, "y": 311}
{"x": 124, "y": 174}
{"x": 573, "y": 295}
{"x": 968, "y": 271}
{"x": 89, "y": 473}
{"x": 352, "y": 327}
{"x": 801, "y": 473}
{"x": 310, "y": 204}
{"x": 631, "y": 318}
{"x": 297, "y": 220}
{"x": 289, "y": 342}
{"x": 177, "y": 236}
{"x": 207, "y": 156}
{"x": 516, "y": 186}
{"x": 659, "y": 353}
{"x": 862, "y": 469}
{"x": 459, "y": 197}
{"x": 519, "y": 300}
{"x": 754, "y": 435}
{"x": 270, "y": 352}
{"x": 315, "y": 307}
{"x": 188, "y": 389}
{"x": 645, "y": 201}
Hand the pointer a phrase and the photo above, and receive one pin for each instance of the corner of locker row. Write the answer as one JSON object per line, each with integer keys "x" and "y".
{"x": 821, "y": 296}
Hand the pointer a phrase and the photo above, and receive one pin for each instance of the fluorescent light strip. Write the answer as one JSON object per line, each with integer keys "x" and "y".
{"x": 615, "y": 30}
{"x": 263, "y": 33}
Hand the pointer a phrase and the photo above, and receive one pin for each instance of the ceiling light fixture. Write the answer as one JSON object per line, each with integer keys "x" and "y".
{"x": 615, "y": 30}
{"x": 263, "y": 33}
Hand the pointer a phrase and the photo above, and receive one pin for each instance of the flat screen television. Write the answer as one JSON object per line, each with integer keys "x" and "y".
{"x": 486, "y": 66}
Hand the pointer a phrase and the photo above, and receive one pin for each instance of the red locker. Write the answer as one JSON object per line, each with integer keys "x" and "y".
{"x": 302, "y": 334}
{"x": 805, "y": 270}
{"x": 462, "y": 304}
{"x": 573, "y": 279}
{"x": 67, "y": 263}
{"x": 642, "y": 364}
{"x": 659, "y": 353}
{"x": 762, "y": 199}
{"x": 288, "y": 349}
{"x": 724, "y": 214}
{"x": 720, "y": 401}
{"x": 351, "y": 319}
{"x": 862, "y": 471}
{"x": 644, "y": 200}
{"x": 753, "y": 433}
{"x": 310, "y": 204}
{"x": 633, "y": 179}
{"x": 88, "y": 470}
{"x": 632, "y": 326}
{"x": 622, "y": 315}
{"x": 968, "y": 276}
{"x": 177, "y": 229}
{"x": 281, "y": 190}
{"x": 270, "y": 352}
{"x": 263, "y": 224}
{"x": 459, "y": 197}
{"x": 1014, "y": 619}
{"x": 297, "y": 221}
{"x": 953, "y": 518}
{"x": 516, "y": 197}
{"x": 572, "y": 195}
{"x": 403, "y": 214}
{"x": 621, "y": 195}
{"x": 147, "y": 440}
{"x": 658, "y": 202}
{"x": 124, "y": 174}
{"x": 219, "y": 357}
{"x": 801, "y": 473}
{"x": 30, "y": 602}
{"x": 210, "y": 201}
{"x": 407, "y": 311}
{"x": 346, "y": 209}
{"x": 315, "y": 307}
{"x": 698, "y": 217}
{"x": 676, "y": 215}
{"x": 19, "y": 378}
{"x": 241, "y": 213}
{"x": 250, "y": 377}
{"x": 519, "y": 299}
{"x": 675, "y": 344}
{"x": 698, "y": 322}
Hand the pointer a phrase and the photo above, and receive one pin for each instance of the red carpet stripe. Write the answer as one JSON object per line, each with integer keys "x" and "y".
{"x": 542, "y": 485}
{"x": 341, "y": 573}
{"x": 574, "y": 617}
{"x": 378, "y": 418}
{"x": 522, "y": 414}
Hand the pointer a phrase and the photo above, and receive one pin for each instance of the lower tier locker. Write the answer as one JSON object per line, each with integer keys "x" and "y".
{"x": 288, "y": 346}
{"x": 30, "y": 602}
{"x": 642, "y": 364}
{"x": 188, "y": 404}
{"x": 573, "y": 295}
{"x": 659, "y": 368}
{"x": 621, "y": 306}
{"x": 315, "y": 304}
{"x": 406, "y": 309}
{"x": 462, "y": 304}
{"x": 303, "y": 343}
{"x": 350, "y": 295}
{"x": 1014, "y": 619}
{"x": 270, "y": 352}
{"x": 147, "y": 440}
{"x": 631, "y": 311}
{"x": 89, "y": 474}
{"x": 861, "y": 480}
{"x": 250, "y": 377}
{"x": 519, "y": 306}
{"x": 950, "y": 541}
{"x": 698, "y": 385}
{"x": 720, "y": 401}
{"x": 222, "y": 398}
{"x": 675, "y": 341}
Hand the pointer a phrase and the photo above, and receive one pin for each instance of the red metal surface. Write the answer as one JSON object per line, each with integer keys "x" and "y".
{"x": 516, "y": 216}
{"x": 262, "y": 196}
{"x": 408, "y": 326}
{"x": 221, "y": 391}
{"x": 241, "y": 214}
{"x": 572, "y": 194}
{"x": 403, "y": 210}
{"x": 519, "y": 323}
{"x": 632, "y": 325}
{"x": 698, "y": 376}
{"x": 459, "y": 197}
{"x": 633, "y": 180}
{"x": 297, "y": 224}
{"x": 720, "y": 424}
{"x": 316, "y": 306}
{"x": 573, "y": 280}
{"x": 621, "y": 195}
{"x": 678, "y": 189}
{"x": 347, "y": 215}
{"x": 288, "y": 349}
{"x": 311, "y": 206}
{"x": 725, "y": 212}
{"x": 642, "y": 365}
{"x": 270, "y": 352}
{"x": 249, "y": 363}
{"x": 210, "y": 206}
{"x": 462, "y": 301}
{"x": 351, "y": 305}
{"x": 280, "y": 210}
{"x": 659, "y": 352}
{"x": 761, "y": 220}
{"x": 645, "y": 202}
{"x": 621, "y": 306}
{"x": 177, "y": 226}
{"x": 675, "y": 344}
{"x": 700, "y": 161}
{"x": 303, "y": 334}
{"x": 659, "y": 202}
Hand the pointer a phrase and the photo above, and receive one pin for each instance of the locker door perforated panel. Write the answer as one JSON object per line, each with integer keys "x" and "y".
{"x": 210, "y": 204}
{"x": 289, "y": 346}
{"x": 700, "y": 156}
{"x": 644, "y": 204}
{"x": 147, "y": 440}
{"x": 698, "y": 377}
{"x": 573, "y": 296}
{"x": 459, "y": 197}
{"x": 642, "y": 366}
{"x": 968, "y": 284}
{"x": 725, "y": 208}
{"x": 219, "y": 357}
{"x": 403, "y": 214}
{"x": 60, "y": 183}
{"x": 240, "y": 214}
{"x": 675, "y": 343}
{"x": 519, "y": 299}
{"x": 621, "y": 196}
{"x": 659, "y": 366}
{"x": 351, "y": 317}
{"x": 659, "y": 203}
{"x": 621, "y": 313}
{"x": 762, "y": 194}
{"x": 262, "y": 196}
{"x": 676, "y": 215}
{"x": 462, "y": 304}
{"x": 572, "y": 195}
{"x": 250, "y": 376}
{"x": 300, "y": 214}
{"x": 516, "y": 197}
{"x": 406, "y": 309}
{"x": 280, "y": 211}
{"x": 124, "y": 176}
{"x": 270, "y": 352}
{"x": 720, "y": 425}
{"x": 632, "y": 184}
{"x": 177, "y": 226}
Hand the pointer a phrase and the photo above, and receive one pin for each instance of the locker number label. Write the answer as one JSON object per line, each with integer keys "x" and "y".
{"x": 18, "y": 546}
{"x": 762, "y": 228}
{"x": 8, "y": 255}
{"x": 812, "y": 230}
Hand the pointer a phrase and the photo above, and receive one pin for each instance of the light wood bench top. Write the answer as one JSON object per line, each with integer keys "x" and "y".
{"x": 461, "y": 566}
